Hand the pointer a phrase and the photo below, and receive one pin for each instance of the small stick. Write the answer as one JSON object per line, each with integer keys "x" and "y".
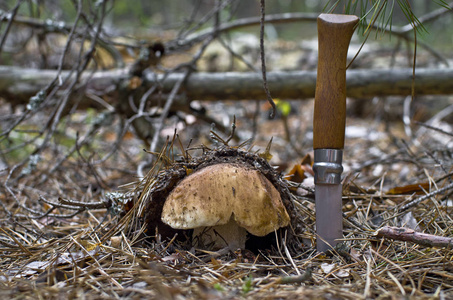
{"x": 291, "y": 279}
{"x": 263, "y": 61}
{"x": 409, "y": 235}
{"x": 423, "y": 198}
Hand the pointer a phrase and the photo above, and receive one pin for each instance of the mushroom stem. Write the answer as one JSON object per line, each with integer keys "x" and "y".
{"x": 220, "y": 236}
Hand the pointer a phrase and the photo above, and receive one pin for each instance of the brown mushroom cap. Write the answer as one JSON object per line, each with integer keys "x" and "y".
{"x": 214, "y": 194}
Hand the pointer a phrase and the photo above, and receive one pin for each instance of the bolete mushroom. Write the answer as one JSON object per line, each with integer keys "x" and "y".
{"x": 223, "y": 202}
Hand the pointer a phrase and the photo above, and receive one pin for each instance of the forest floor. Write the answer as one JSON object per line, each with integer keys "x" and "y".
{"x": 67, "y": 253}
{"x": 65, "y": 234}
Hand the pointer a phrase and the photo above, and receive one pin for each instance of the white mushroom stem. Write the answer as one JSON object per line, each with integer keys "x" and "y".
{"x": 217, "y": 237}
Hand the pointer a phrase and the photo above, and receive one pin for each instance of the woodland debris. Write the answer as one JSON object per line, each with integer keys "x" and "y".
{"x": 425, "y": 197}
{"x": 409, "y": 235}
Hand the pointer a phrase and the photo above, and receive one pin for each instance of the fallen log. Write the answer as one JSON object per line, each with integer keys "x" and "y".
{"x": 19, "y": 84}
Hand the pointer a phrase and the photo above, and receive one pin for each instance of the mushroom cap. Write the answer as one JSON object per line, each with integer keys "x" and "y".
{"x": 212, "y": 195}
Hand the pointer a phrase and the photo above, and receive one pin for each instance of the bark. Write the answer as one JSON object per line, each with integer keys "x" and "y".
{"x": 409, "y": 235}
{"x": 17, "y": 85}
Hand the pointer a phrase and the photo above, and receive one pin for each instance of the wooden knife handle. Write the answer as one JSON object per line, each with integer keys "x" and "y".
{"x": 334, "y": 35}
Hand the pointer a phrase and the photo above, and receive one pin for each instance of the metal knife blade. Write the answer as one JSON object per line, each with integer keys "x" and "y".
{"x": 328, "y": 226}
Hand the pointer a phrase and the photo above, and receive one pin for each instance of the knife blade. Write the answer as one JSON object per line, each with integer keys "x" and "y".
{"x": 329, "y": 119}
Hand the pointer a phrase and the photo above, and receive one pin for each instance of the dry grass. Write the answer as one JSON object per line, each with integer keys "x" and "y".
{"x": 72, "y": 259}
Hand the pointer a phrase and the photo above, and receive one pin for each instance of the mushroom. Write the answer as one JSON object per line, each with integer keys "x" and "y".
{"x": 223, "y": 202}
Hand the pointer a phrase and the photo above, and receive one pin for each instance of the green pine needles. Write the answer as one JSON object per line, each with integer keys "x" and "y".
{"x": 378, "y": 13}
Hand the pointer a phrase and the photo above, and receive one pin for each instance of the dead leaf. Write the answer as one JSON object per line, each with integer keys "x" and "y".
{"x": 417, "y": 188}
{"x": 299, "y": 172}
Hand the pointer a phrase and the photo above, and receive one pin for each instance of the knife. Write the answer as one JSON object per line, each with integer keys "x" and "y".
{"x": 334, "y": 35}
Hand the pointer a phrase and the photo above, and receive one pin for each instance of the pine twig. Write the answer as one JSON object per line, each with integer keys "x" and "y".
{"x": 423, "y": 198}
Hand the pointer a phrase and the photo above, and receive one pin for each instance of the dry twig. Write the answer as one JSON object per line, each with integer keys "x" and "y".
{"x": 409, "y": 235}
